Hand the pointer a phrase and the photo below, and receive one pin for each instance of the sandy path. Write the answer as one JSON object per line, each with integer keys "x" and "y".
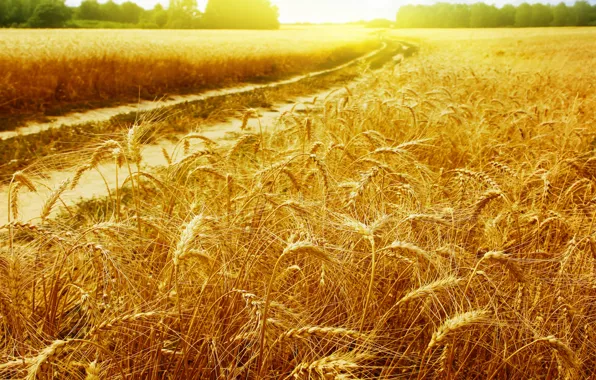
{"x": 105, "y": 114}
{"x": 92, "y": 184}
{"x": 95, "y": 183}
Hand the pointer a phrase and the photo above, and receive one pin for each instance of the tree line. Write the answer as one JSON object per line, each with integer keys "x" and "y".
{"x": 480, "y": 15}
{"x": 180, "y": 14}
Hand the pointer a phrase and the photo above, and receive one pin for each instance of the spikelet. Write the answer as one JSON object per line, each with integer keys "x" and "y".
{"x": 444, "y": 360}
{"x": 296, "y": 206}
{"x": 505, "y": 260}
{"x": 246, "y": 117}
{"x": 322, "y": 169}
{"x": 49, "y": 204}
{"x": 428, "y": 218}
{"x": 330, "y": 366}
{"x": 14, "y": 199}
{"x": 365, "y": 179}
{"x": 19, "y": 179}
{"x": 191, "y": 231}
{"x": 244, "y": 142}
{"x": 118, "y": 156}
{"x": 133, "y": 143}
{"x": 190, "y": 158}
{"x": 358, "y": 227}
{"x": 78, "y": 174}
{"x": 22, "y": 179}
{"x": 478, "y": 176}
{"x": 454, "y": 324}
{"x": 46, "y": 354}
{"x": 308, "y": 129}
{"x": 315, "y": 147}
{"x": 127, "y": 318}
{"x": 166, "y": 155}
{"x": 207, "y": 169}
{"x": 484, "y": 200}
{"x": 210, "y": 143}
{"x": 292, "y": 178}
{"x": 503, "y": 168}
{"x": 333, "y": 147}
{"x": 431, "y": 288}
{"x": 565, "y": 354}
{"x": 374, "y": 138}
{"x": 323, "y": 332}
{"x": 307, "y": 248}
{"x": 101, "y": 151}
{"x": 409, "y": 247}
{"x": 93, "y": 371}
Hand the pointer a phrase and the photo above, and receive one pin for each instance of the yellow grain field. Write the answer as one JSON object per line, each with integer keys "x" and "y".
{"x": 49, "y": 71}
{"x": 433, "y": 221}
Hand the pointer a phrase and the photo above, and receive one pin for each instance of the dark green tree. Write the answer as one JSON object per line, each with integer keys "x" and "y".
{"x": 541, "y": 15}
{"x": 50, "y": 14}
{"x": 130, "y": 12}
{"x": 183, "y": 14}
{"x": 582, "y": 11}
{"x": 507, "y": 15}
{"x": 523, "y": 15}
{"x": 561, "y": 15}
{"x": 460, "y": 16}
{"x": 483, "y": 16}
{"x": 17, "y": 12}
{"x": 110, "y": 11}
{"x": 89, "y": 10}
{"x": 241, "y": 14}
{"x": 3, "y": 12}
{"x": 160, "y": 15}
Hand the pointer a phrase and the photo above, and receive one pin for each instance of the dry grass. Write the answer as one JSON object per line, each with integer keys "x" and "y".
{"x": 52, "y": 71}
{"x": 466, "y": 249}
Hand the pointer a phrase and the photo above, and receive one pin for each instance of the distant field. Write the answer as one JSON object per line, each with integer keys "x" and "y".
{"x": 435, "y": 219}
{"x": 50, "y": 71}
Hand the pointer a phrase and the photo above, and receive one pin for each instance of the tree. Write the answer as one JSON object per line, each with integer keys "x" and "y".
{"x": 561, "y": 15}
{"x": 3, "y": 13}
{"x": 110, "y": 11}
{"x": 582, "y": 12}
{"x": 241, "y": 14}
{"x": 130, "y": 12}
{"x": 51, "y": 14}
{"x": 160, "y": 16}
{"x": 183, "y": 14}
{"x": 460, "y": 16}
{"x": 89, "y": 10}
{"x": 483, "y": 16}
{"x": 541, "y": 15}
{"x": 507, "y": 15}
{"x": 523, "y": 15}
{"x": 17, "y": 12}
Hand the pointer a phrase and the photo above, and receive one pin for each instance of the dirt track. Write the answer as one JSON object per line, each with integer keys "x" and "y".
{"x": 99, "y": 182}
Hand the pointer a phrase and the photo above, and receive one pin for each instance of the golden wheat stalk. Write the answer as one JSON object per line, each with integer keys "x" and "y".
{"x": 456, "y": 323}
{"x": 51, "y": 201}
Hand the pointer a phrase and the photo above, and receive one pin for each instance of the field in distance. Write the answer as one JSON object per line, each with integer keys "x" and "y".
{"x": 48, "y": 72}
{"x": 435, "y": 219}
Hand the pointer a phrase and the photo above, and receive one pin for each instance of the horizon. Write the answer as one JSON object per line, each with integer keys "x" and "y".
{"x": 333, "y": 11}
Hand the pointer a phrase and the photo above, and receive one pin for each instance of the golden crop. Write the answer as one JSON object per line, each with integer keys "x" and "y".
{"x": 434, "y": 220}
{"x": 54, "y": 70}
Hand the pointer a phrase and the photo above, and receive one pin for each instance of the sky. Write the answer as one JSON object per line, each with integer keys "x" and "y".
{"x": 317, "y": 11}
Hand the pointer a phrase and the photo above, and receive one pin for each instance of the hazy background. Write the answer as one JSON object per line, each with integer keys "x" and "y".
{"x": 338, "y": 10}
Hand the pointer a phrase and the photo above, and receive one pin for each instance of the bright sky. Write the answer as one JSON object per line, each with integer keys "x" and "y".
{"x": 337, "y": 10}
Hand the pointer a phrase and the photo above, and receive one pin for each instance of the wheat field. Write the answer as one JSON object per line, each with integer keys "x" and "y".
{"x": 53, "y": 71}
{"x": 434, "y": 220}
